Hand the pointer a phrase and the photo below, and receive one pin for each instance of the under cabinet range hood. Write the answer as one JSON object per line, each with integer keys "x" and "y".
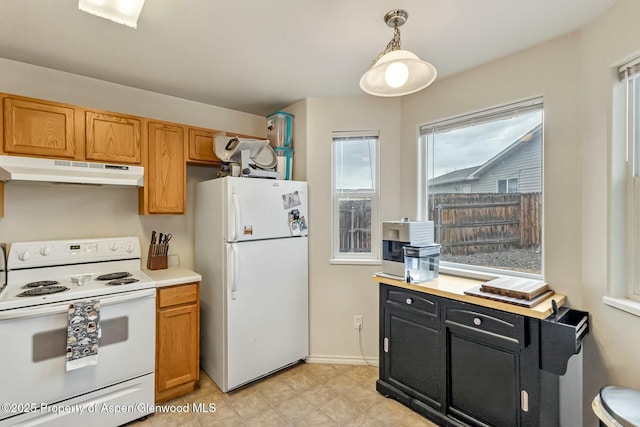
{"x": 14, "y": 168}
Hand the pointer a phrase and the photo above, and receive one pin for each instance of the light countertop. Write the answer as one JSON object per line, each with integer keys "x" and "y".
{"x": 174, "y": 275}
{"x": 453, "y": 287}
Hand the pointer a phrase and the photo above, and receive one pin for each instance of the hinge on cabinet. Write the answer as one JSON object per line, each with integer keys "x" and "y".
{"x": 385, "y": 345}
{"x": 524, "y": 400}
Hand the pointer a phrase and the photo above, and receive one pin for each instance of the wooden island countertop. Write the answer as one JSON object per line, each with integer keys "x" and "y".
{"x": 453, "y": 287}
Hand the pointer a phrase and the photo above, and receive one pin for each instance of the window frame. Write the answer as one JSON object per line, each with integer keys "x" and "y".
{"x": 632, "y": 172}
{"x": 506, "y": 184}
{"x": 476, "y": 117}
{"x": 373, "y": 257}
{"x": 623, "y": 290}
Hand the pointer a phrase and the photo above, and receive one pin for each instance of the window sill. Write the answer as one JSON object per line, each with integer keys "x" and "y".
{"x": 482, "y": 273}
{"x": 355, "y": 262}
{"x": 624, "y": 304}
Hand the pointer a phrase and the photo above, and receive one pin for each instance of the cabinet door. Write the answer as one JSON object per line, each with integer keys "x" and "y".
{"x": 411, "y": 345}
{"x": 38, "y": 128}
{"x": 166, "y": 191}
{"x": 112, "y": 138}
{"x": 483, "y": 364}
{"x": 483, "y": 382}
{"x": 201, "y": 145}
{"x": 177, "y": 346}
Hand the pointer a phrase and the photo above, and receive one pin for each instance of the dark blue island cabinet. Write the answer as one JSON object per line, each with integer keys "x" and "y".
{"x": 462, "y": 364}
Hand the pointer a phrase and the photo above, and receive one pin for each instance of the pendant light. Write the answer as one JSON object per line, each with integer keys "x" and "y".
{"x": 397, "y": 72}
{"x": 125, "y": 12}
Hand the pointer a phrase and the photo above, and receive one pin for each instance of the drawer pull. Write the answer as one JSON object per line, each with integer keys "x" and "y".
{"x": 477, "y": 321}
{"x": 409, "y": 301}
{"x": 524, "y": 401}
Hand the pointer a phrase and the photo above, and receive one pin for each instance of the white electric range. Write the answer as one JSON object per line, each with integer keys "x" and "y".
{"x": 43, "y": 279}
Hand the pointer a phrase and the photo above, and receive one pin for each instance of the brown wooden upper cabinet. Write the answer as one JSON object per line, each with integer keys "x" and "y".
{"x": 38, "y": 128}
{"x": 201, "y": 145}
{"x": 165, "y": 172}
{"x": 113, "y": 138}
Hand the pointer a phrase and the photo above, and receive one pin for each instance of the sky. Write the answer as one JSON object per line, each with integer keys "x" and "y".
{"x": 355, "y": 164}
{"x": 474, "y": 145}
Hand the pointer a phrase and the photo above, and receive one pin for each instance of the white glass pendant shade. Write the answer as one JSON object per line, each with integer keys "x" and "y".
{"x": 125, "y": 12}
{"x": 382, "y": 78}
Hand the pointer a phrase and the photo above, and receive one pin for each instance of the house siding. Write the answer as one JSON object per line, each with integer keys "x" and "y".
{"x": 525, "y": 163}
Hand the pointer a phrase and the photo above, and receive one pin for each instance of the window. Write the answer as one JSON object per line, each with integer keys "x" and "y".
{"x": 481, "y": 185}
{"x": 630, "y": 74}
{"x": 355, "y": 198}
{"x": 509, "y": 185}
{"x": 623, "y": 291}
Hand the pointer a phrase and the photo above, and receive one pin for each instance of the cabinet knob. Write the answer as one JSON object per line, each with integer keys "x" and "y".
{"x": 477, "y": 321}
{"x": 409, "y": 301}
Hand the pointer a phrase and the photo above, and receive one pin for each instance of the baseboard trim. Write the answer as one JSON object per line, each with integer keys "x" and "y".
{"x": 343, "y": 360}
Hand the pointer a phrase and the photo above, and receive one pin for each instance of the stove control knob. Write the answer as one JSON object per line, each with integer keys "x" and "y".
{"x": 24, "y": 256}
{"x": 130, "y": 248}
{"x": 113, "y": 247}
{"x": 45, "y": 251}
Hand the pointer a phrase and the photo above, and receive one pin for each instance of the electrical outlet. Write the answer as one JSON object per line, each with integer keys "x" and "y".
{"x": 357, "y": 321}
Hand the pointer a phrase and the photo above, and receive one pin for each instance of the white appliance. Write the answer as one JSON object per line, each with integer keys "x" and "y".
{"x": 15, "y": 168}
{"x": 251, "y": 250}
{"x": 255, "y": 158}
{"x": 398, "y": 234}
{"x": 43, "y": 279}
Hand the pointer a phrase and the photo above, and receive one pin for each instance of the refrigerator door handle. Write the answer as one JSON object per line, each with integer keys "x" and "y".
{"x": 234, "y": 271}
{"x": 236, "y": 216}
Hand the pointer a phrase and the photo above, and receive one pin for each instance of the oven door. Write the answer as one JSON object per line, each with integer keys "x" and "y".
{"x": 33, "y": 352}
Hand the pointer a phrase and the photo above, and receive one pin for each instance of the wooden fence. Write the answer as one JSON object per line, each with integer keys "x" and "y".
{"x": 355, "y": 225}
{"x": 486, "y": 222}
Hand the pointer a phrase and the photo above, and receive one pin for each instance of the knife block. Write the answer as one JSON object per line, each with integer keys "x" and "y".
{"x": 156, "y": 262}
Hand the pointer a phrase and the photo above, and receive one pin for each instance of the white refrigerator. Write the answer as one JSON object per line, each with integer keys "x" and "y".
{"x": 251, "y": 250}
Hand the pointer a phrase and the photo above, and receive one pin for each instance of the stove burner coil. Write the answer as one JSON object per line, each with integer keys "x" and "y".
{"x": 40, "y": 284}
{"x": 43, "y": 290}
{"x": 123, "y": 281}
{"x": 114, "y": 276}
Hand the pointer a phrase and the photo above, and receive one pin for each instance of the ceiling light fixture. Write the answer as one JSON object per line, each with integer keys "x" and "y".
{"x": 125, "y": 12}
{"x": 397, "y": 72}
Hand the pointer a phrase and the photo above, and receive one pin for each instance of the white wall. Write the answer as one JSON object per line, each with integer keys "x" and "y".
{"x": 45, "y": 211}
{"x": 338, "y": 292}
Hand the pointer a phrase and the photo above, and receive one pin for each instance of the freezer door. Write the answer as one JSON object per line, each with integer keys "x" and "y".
{"x": 267, "y": 307}
{"x": 265, "y": 209}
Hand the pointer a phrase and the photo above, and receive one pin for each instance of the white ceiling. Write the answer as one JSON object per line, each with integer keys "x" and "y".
{"x": 260, "y": 56}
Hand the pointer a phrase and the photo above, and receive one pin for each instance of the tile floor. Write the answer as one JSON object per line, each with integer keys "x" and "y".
{"x": 307, "y": 394}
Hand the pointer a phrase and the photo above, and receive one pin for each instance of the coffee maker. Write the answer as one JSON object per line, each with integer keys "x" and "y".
{"x": 398, "y": 234}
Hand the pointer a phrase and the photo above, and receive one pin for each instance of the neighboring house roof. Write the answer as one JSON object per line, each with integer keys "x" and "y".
{"x": 455, "y": 176}
{"x": 507, "y": 151}
{"x": 474, "y": 172}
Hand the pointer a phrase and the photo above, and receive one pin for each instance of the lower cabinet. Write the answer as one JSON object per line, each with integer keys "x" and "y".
{"x": 460, "y": 364}
{"x": 177, "y": 340}
{"x": 411, "y": 345}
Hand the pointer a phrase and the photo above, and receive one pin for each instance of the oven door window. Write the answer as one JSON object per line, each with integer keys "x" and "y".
{"x": 51, "y": 344}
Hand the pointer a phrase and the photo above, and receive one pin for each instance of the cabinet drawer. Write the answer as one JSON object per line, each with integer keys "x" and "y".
{"x": 176, "y": 295}
{"x": 415, "y": 301}
{"x": 493, "y": 323}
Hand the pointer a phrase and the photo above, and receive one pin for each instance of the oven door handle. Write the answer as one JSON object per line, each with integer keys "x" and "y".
{"x": 63, "y": 307}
